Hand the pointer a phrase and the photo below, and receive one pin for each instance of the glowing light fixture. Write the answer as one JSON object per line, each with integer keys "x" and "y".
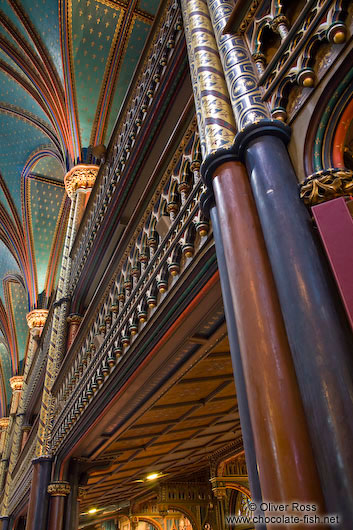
{"x": 152, "y": 476}
{"x": 92, "y": 510}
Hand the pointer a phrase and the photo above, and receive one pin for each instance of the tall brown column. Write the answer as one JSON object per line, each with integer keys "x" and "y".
{"x": 285, "y": 460}
{"x": 38, "y": 501}
{"x": 283, "y": 450}
{"x": 58, "y": 491}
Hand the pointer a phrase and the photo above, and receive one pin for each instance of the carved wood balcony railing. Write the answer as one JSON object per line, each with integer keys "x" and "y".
{"x": 293, "y": 44}
{"x": 171, "y": 232}
{"x": 147, "y": 83}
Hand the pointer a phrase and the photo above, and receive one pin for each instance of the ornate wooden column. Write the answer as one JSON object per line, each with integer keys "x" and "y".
{"x": 58, "y": 492}
{"x": 209, "y": 207}
{"x": 77, "y": 494}
{"x": 320, "y": 345}
{"x": 37, "y": 514}
{"x": 281, "y": 440}
{"x": 78, "y": 181}
{"x": 74, "y": 322}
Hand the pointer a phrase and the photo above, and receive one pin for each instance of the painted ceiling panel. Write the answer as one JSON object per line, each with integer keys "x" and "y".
{"x": 50, "y": 167}
{"x": 134, "y": 48}
{"x": 94, "y": 29}
{"x": 47, "y": 199}
{"x": 6, "y": 8}
{"x": 44, "y": 14}
{"x": 8, "y": 264}
{"x": 19, "y": 303}
{"x": 4, "y": 57}
{"x": 18, "y": 140}
{"x": 13, "y": 94}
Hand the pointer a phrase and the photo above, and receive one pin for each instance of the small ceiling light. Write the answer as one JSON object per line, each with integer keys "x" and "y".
{"x": 92, "y": 510}
{"x": 152, "y": 476}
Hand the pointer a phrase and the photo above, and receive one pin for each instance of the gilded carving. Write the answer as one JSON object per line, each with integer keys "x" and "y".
{"x": 4, "y": 423}
{"x": 245, "y": 96}
{"x": 215, "y": 117}
{"x": 74, "y": 319}
{"x": 36, "y": 318}
{"x": 59, "y": 488}
{"x": 16, "y": 382}
{"x": 326, "y": 185}
{"x": 80, "y": 177}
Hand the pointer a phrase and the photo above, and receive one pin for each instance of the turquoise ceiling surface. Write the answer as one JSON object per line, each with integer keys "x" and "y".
{"x": 50, "y": 167}
{"x": 13, "y": 95}
{"x": 18, "y": 140}
{"x": 48, "y": 198}
{"x": 8, "y": 265}
{"x": 65, "y": 66}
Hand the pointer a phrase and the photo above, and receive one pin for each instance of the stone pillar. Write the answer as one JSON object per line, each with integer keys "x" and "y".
{"x": 74, "y": 322}
{"x": 283, "y": 450}
{"x": 58, "y": 491}
{"x": 320, "y": 344}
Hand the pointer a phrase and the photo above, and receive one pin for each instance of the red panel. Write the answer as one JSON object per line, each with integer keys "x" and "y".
{"x": 335, "y": 225}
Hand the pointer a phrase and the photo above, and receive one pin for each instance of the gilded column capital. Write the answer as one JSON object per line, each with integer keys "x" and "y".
{"x": 220, "y": 493}
{"x": 80, "y": 177}
{"x": 82, "y": 492}
{"x": 280, "y": 25}
{"x": 16, "y": 382}
{"x": 4, "y": 423}
{"x": 74, "y": 319}
{"x": 59, "y": 488}
{"x": 325, "y": 185}
{"x": 36, "y": 318}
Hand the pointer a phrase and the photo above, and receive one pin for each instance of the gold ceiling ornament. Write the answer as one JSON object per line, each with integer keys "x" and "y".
{"x": 326, "y": 185}
{"x": 59, "y": 488}
{"x": 80, "y": 177}
{"x": 16, "y": 382}
{"x": 36, "y": 318}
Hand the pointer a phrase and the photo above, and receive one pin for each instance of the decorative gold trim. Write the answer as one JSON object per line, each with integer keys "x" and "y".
{"x": 80, "y": 177}
{"x": 74, "y": 319}
{"x": 16, "y": 382}
{"x": 36, "y": 318}
{"x": 59, "y": 488}
{"x": 326, "y": 185}
{"x": 4, "y": 423}
{"x": 82, "y": 492}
